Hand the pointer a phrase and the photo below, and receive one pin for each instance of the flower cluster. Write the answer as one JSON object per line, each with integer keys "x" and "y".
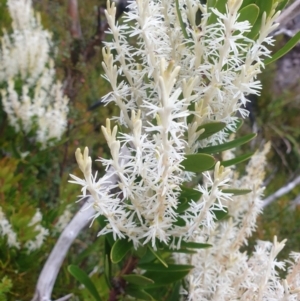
{"x": 41, "y": 233}
{"x": 180, "y": 75}
{"x": 166, "y": 86}
{"x": 39, "y": 108}
{"x": 6, "y": 230}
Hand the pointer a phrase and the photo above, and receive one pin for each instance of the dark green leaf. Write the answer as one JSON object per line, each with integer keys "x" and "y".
{"x": 285, "y": 49}
{"x": 156, "y": 267}
{"x": 158, "y": 256}
{"x": 138, "y": 294}
{"x": 249, "y": 13}
{"x": 265, "y": 6}
{"x": 148, "y": 257}
{"x": 84, "y": 279}
{"x": 189, "y": 193}
{"x": 198, "y": 162}
{"x": 220, "y": 214}
{"x": 227, "y": 145}
{"x": 137, "y": 279}
{"x": 237, "y": 160}
{"x": 237, "y": 191}
{"x": 163, "y": 278}
{"x": 195, "y": 245}
{"x": 210, "y": 129}
{"x": 281, "y": 5}
{"x": 120, "y": 248}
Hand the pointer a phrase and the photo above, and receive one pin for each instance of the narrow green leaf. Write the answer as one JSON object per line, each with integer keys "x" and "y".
{"x": 227, "y": 145}
{"x": 237, "y": 160}
{"x": 84, "y": 279}
{"x": 120, "y": 248}
{"x": 220, "y": 214}
{"x": 265, "y": 6}
{"x": 189, "y": 193}
{"x": 281, "y": 5}
{"x": 138, "y": 294}
{"x": 157, "y": 255}
{"x": 137, "y": 279}
{"x": 163, "y": 278}
{"x": 175, "y": 292}
{"x": 237, "y": 191}
{"x": 286, "y": 48}
{"x": 107, "y": 270}
{"x": 249, "y": 13}
{"x": 156, "y": 267}
{"x": 182, "y": 25}
{"x": 195, "y": 245}
{"x": 147, "y": 258}
{"x": 140, "y": 252}
{"x": 183, "y": 205}
{"x": 210, "y": 129}
{"x": 198, "y": 162}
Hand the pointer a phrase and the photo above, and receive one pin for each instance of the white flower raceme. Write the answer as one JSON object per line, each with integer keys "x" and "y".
{"x": 6, "y": 230}
{"x": 40, "y": 108}
{"x": 166, "y": 86}
{"x": 41, "y": 233}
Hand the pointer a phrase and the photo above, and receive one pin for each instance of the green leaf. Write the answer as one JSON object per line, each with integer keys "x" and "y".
{"x": 137, "y": 279}
{"x": 163, "y": 278}
{"x": 148, "y": 257}
{"x": 286, "y": 48}
{"x": 249, "y": 13}
{"x": 237, "y": 191}
{"x": 227, "y": 145}
{"x": 120, "y": 248}
{"x": 265, "y": 6}
{"x": 220, "y": 5}
{"x": 195, "y": 245}
{"x": 138, "y": 294}
{"x": 237, "y": 160}
{"x": 210, "y": 129}
{"x": 189, "y": 193}
{"x": 107, "y": 270}
{"x": 84, "y": 279}
{"x": 158, "y": 256}
{"x": 198, "y": 162}
{"x": 172, "y": 268}
{"x": 220, "y": 214}
{"x": 281, "y": 5}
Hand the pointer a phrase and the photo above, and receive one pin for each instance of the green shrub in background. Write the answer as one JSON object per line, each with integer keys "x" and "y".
{"x": 37, "y": 202}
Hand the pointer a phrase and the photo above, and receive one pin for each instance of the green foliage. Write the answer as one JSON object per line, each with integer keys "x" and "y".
{"x": 5, "y": 287}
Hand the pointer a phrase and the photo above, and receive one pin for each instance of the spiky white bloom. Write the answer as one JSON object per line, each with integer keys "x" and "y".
{"x": 171, "y": 85}
{"x": 6, "y": 230}
{"x": 32, "y": 245}
{"x": 41, "y": 109}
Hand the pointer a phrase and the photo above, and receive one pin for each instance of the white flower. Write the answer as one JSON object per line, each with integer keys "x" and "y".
{"x": 25, "y": 54}
{"x": 6, "y": 230}
{"x": 166, "y": 86}
{"x": 32, "y": 245}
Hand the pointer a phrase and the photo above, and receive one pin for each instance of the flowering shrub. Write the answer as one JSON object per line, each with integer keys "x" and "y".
{"x": 39, "y": 108}
{"x": 175, "y": 213}
{"x": 179, "y": 89}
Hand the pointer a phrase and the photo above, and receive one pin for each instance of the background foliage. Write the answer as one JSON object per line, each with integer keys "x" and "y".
{"x": 40, "y": 180}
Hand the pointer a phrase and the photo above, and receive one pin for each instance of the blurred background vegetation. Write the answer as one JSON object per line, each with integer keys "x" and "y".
{"x": 40, "y": 179}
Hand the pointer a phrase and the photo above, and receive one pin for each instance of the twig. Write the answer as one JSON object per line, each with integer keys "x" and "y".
{"x": 67, "y": 297}
{"x": 290, "y": 13}
{"x": 53, "y": 264}
{"x": 282, "y": 191}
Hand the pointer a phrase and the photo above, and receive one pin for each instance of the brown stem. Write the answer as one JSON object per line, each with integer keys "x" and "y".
{"x": 118, "y": 283}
